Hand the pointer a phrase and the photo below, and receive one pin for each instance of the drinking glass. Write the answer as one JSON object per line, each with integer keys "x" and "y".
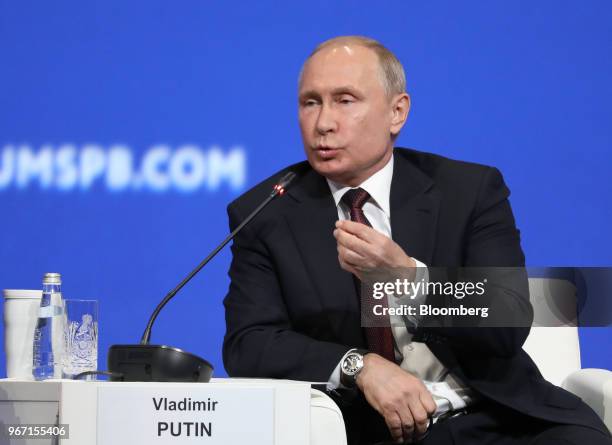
{"x": 80, "y": 337}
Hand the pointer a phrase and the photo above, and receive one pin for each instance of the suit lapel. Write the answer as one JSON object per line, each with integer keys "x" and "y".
{"x": 414, "y": 210}
{"x": 312, "y": 223}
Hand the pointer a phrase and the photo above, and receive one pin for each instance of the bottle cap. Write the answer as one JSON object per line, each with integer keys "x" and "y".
{"x": 52, "y": 278}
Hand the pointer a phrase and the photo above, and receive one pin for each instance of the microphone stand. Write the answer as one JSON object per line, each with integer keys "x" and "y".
{"x": 160, "y": 363}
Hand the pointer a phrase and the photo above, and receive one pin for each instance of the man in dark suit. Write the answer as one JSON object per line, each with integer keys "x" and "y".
{"x": 360, "y": 206}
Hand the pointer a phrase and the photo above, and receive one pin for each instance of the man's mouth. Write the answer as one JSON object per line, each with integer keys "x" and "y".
{"x": 326, "y": 152}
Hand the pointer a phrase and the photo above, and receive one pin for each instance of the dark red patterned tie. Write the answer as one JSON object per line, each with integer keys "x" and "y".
{"x": 380, "y": 339}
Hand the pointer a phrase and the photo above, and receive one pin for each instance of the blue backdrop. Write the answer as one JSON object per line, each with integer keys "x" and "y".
{"x": 126, "y": 128}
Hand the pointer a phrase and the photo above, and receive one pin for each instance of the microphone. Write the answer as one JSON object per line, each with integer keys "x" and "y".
{"x": 160, "y": 363}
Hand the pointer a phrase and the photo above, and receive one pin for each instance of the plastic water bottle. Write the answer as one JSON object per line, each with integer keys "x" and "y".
{"x": 47, "y": 335}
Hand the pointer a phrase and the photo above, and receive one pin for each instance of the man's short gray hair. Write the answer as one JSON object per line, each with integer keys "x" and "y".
{"x": 392, "y": 71}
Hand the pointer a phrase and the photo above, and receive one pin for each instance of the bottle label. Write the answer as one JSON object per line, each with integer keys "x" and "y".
{"x": 49, "y": 311}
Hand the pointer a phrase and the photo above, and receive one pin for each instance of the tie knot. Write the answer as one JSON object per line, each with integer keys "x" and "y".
{"x": 355, "y": 198}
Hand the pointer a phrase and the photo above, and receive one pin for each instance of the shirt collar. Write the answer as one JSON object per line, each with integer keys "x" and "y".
{"x": 378, "y": 186}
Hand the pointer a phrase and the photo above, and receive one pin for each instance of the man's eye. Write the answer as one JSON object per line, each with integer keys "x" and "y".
{"x": 346, "y": 100}
{"x": 309, "y": 103}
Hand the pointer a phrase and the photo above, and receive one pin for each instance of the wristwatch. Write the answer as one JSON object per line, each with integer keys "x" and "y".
{"x": 351, "y": 366}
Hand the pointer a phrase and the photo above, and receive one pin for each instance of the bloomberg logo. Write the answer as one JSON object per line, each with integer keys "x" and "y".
{"x": 161, "y": 168}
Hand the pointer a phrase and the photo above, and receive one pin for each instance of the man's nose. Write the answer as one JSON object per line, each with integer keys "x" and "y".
{"x": 326, "y": 121}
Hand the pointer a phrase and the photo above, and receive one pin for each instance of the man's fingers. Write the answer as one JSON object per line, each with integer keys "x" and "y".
{"x": 350, "y": 261}
{"x": 407, "y": 426}
{"x": 350, "y": 256}
{"x": 419, "y": 415}
{"x": 410, "y": 427}
{"x": 376, "y": 247}
{"x": 428, "y": 402}
{"x": 351, "y": 241}
{"x": 349, "y": 267}
{"x": 395, "y": 426}
{"x": 354, "y": 250}
{"x": 359, "y": 230}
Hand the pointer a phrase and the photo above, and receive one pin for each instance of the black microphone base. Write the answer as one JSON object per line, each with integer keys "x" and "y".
{"x": 156, "y": 363}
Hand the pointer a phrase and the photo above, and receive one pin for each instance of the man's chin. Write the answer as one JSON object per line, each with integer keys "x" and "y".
{"x": 337, "y": 175}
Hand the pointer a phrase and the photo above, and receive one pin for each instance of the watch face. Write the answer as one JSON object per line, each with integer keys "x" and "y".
{"x": 352, "y": 363}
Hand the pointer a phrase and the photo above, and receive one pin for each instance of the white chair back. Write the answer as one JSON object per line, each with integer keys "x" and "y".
{"x": 553, "y": 341}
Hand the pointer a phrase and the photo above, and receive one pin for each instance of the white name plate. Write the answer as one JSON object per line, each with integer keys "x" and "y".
{"x": 185, "y": 414}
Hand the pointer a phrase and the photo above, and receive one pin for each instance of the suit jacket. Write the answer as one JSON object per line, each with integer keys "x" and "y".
{"x": 292, "y": 312}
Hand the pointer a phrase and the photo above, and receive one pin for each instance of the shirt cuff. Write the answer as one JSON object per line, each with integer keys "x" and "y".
{"x": 419, "y": 264}
{"x": 422, "y": 274}
{"x": 334, "y": 379}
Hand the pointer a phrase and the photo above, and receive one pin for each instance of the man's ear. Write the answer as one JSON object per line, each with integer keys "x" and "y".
{"x": 400, "y": 106}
